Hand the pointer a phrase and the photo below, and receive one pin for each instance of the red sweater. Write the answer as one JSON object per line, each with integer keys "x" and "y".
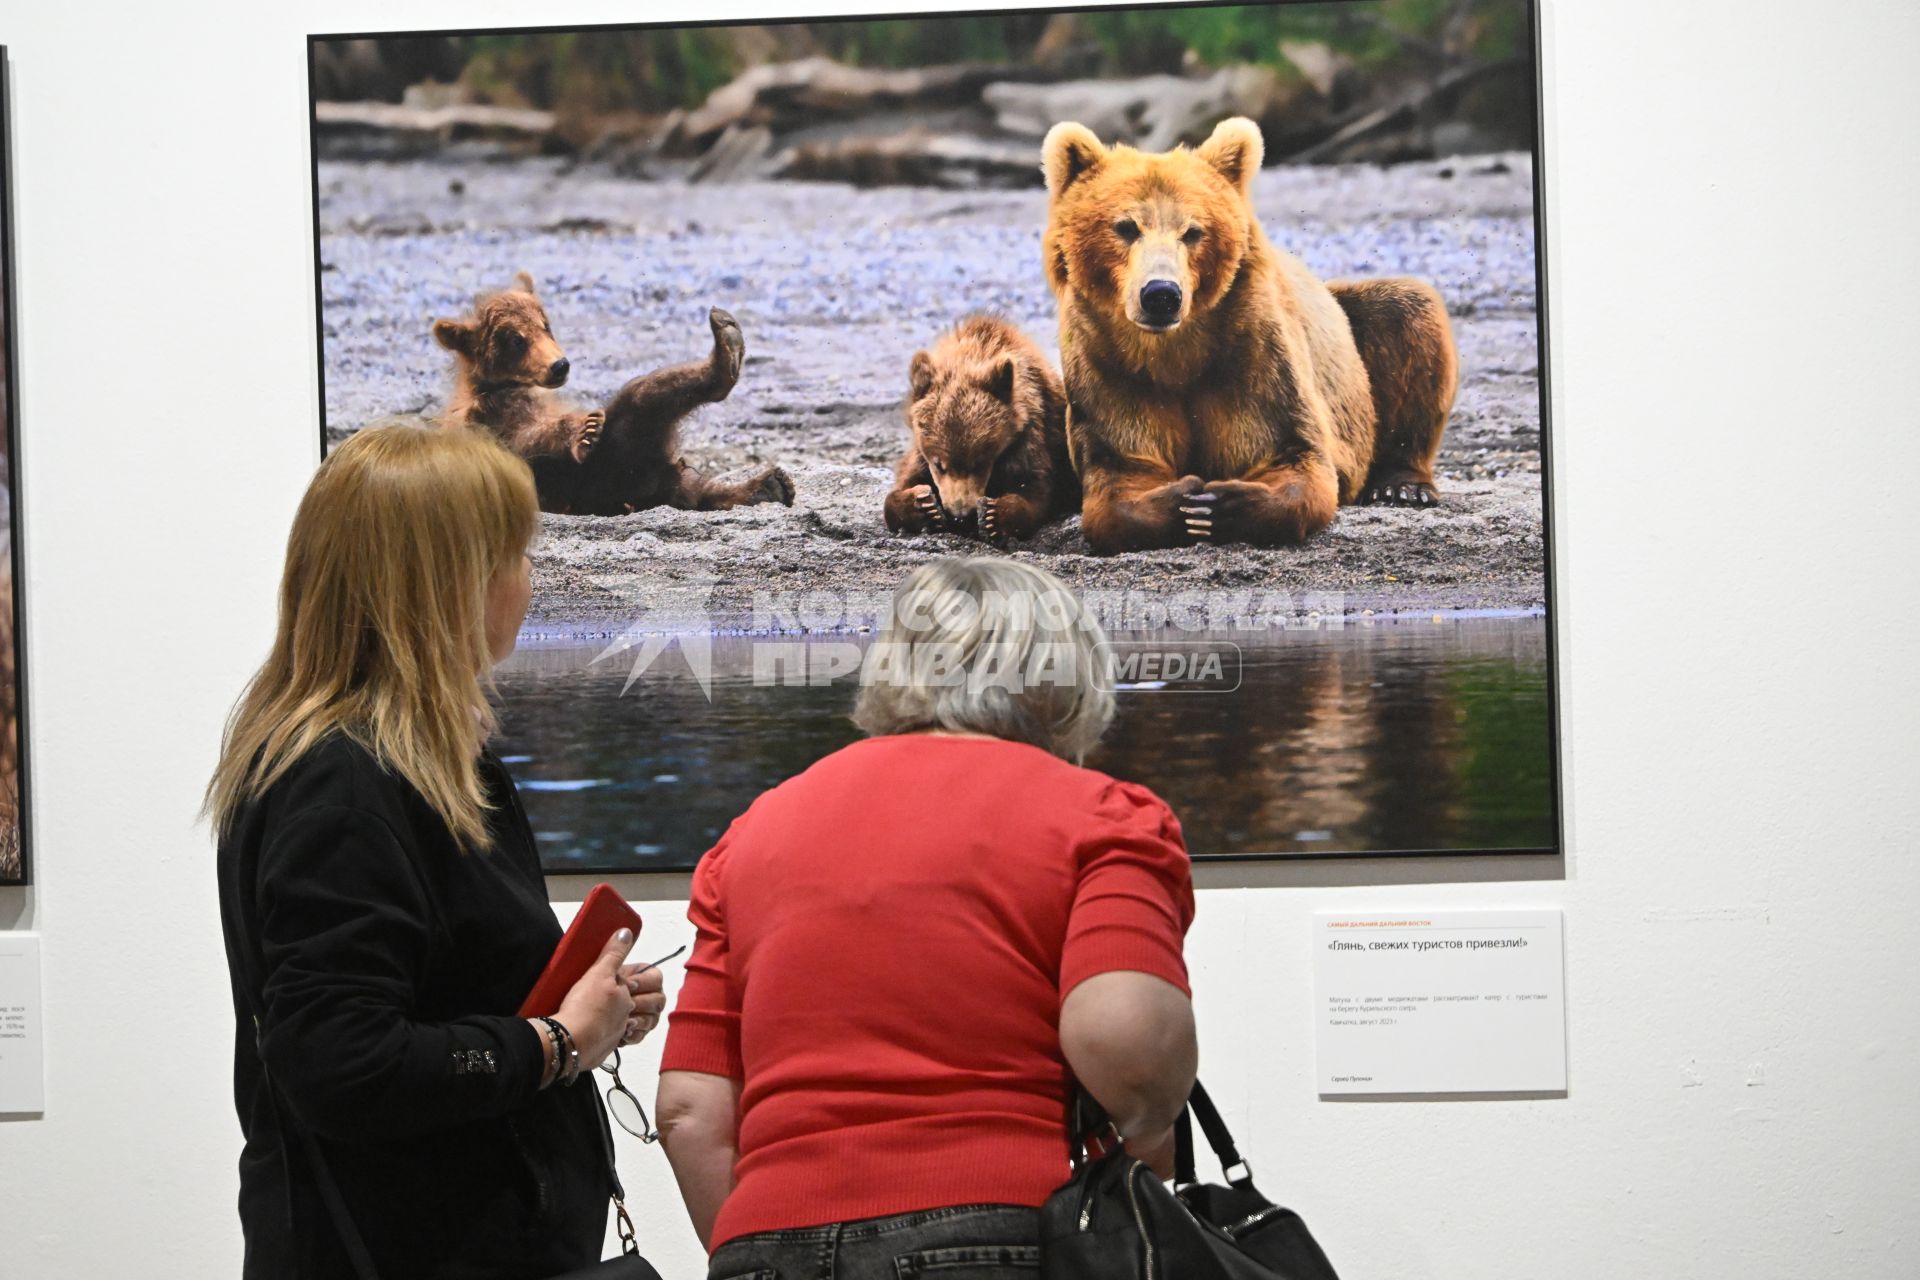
{"x": 883, "y": 945}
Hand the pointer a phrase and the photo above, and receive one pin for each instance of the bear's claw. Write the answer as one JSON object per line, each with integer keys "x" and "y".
{"x": 587, "y": 435}
{"x": 990, "y": 528}
{"x": 1412, "y": 494}
{"x": 1198, "y": 508}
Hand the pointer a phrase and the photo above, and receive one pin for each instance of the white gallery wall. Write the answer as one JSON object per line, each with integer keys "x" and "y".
{"x": 1732, "y": 205}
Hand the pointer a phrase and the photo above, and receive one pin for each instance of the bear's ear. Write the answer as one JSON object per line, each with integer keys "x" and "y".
{"x": 1002, "y": 377}
{"x": 455, "y": 335}
{"x": 1069, "y": 154}
{"x": 1235, "y": 150}
{"x": 524, "y": 283}
{"x": 921, "y": 374}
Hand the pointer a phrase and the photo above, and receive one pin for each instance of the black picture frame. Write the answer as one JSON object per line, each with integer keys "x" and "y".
{"x": 1556, "y": 819}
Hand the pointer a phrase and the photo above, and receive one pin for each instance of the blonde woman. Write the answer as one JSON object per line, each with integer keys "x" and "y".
{"x": 903, "y": 951}
{"x": 384, "y": 909}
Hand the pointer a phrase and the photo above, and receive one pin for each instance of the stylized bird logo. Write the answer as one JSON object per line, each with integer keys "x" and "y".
{"x": 679, "y": 612}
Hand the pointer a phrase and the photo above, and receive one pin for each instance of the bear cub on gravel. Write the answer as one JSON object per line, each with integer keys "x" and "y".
{"x": 602, "y": 462}
{"x": 988, "y": 456}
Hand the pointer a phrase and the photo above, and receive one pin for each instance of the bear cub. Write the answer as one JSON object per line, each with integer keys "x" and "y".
{"x": 988, "y": 454}
{"x": 609, "y": 461}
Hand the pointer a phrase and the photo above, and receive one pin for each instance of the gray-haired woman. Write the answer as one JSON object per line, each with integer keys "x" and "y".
{"x": 905, "y": 952}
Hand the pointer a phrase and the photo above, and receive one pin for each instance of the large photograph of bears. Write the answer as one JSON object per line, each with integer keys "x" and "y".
{"x": 1228, "y": 315}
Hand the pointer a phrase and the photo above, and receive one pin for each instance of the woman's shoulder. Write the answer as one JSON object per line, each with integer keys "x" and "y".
{"x": 1019, "y": 765}
{"x": 336, "y": 772}
{"x": 334, "y": 790}
{"x": 1078, "y": 782}
{"x": 1131, "y": 802}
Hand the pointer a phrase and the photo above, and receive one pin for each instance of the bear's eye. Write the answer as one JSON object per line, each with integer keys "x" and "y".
{"x": 1127, "y": 229}
{"x": 1193, "y": 236}
{"x": 510, "y": 343}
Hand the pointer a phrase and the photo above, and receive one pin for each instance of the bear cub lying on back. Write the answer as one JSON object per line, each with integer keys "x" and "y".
{"x": 610, "y": 461}
{"x": 988, "y": 456}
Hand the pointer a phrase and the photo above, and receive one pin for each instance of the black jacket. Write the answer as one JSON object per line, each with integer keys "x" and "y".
{"x": 391, "y": 964}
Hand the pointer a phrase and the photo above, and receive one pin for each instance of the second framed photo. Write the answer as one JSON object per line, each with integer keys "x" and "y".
{"x": 15, "y": 842}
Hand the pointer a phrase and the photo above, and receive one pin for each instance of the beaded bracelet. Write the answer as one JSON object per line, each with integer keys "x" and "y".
{"x": 566, "y": 1054}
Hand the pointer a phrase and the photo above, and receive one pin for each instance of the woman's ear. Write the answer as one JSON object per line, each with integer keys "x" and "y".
{"x": 1069, "y": 154}
{"x": 455, "y": 335}
{"x": 921, "y": 374}
{"x": 1235, "y": 150}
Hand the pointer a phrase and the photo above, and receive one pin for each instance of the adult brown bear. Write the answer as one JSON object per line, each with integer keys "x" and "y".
{"x": 595, "y": 462}
{"x": 1217, "y": 391}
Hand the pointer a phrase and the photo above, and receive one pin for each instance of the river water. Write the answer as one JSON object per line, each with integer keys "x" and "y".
{"x": 1384, "y": 736}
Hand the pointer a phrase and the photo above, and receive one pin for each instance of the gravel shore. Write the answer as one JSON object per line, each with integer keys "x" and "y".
{"x": 835, "y": 288}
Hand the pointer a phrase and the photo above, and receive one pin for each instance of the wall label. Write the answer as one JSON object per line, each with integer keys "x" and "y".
{"x": 1439, "y": 1002}
{"x": 22, "y": 1069}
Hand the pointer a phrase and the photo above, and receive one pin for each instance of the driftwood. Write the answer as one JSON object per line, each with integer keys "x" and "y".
{"x": 1152, "y": 113}
{"x": 737, "y": 154}
{"x": 782, "y": 96}
{"x": 915, "y": 158}
{"x": 404, "y": 127}
{"x": 1318, "y": 63}
{"x": 1403, "y": 110}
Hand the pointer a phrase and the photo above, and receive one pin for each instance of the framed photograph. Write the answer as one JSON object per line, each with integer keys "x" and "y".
{"x": 1231, "y": 316}
{"x": 15, "y": 847}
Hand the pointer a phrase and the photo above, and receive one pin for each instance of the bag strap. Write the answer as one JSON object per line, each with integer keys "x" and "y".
{"x": 1200, "y": 1106}
{"x": 1088, "y": 1124}
{"x": 291, "y": 1131}
{"x": 1088, "y": 1121}
{"x": 629, "y": 1238}
{"x": 357, "y": 1255}
{"x": 1184, "y": 1172}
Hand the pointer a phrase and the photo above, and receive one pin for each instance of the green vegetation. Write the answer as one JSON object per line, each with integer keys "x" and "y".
{"x": 1148, "y": 40}
{"x": 927, "y": 41}
{"x": 598, "y": 71}
{"x": 655, "y": 70}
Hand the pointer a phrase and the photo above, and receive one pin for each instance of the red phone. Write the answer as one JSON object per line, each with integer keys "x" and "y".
{"x": 602, "y": 915}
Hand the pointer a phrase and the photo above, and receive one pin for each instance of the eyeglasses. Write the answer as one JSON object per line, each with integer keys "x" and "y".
{"x": 624, "y": 1107}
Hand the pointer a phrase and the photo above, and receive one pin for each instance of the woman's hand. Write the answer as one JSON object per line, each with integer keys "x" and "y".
{"x": 645, "y": 984}
{"x": 596, "y": 1012}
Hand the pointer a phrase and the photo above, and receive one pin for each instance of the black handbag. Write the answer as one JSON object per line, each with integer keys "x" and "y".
{"x": 1116, "y": 1220}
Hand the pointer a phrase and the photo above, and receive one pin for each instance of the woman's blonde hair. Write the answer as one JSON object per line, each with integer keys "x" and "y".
{"x": 993, "y": 646}
{"x": 383, "y": 634}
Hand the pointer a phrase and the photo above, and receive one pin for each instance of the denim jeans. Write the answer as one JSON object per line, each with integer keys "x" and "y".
{"x": 965, "y": 1242}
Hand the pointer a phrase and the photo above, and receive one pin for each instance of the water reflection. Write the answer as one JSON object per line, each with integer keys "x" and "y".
{"x": 1390, "y": 737}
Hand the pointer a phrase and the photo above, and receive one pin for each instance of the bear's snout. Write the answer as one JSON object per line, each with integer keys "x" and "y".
{"x": 962, "y": 495}
{"x": 1160, "y": 302}
{"x": 557, "y": 372}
